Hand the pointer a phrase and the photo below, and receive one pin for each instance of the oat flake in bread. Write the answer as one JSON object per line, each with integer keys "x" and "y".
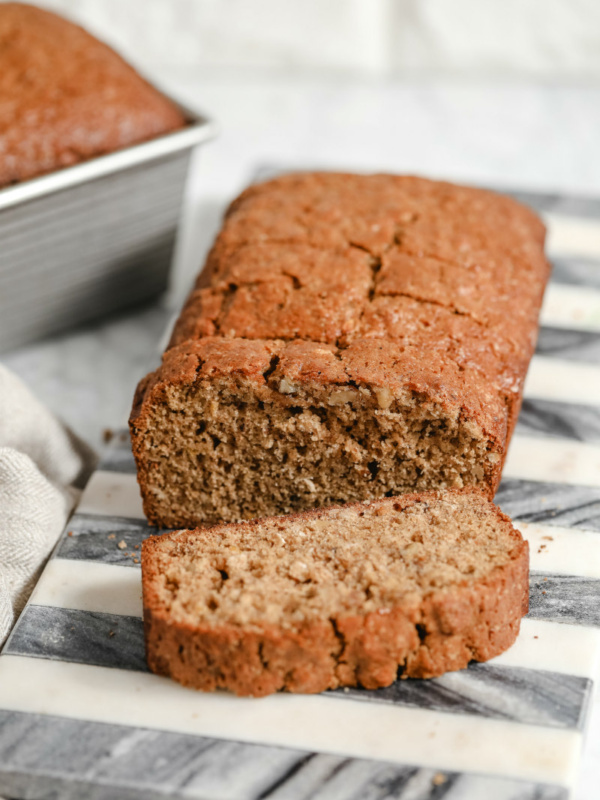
{"x": 65, "y": 97}
{"x": 351, "y": 337}
{"x": 356, "y": 595}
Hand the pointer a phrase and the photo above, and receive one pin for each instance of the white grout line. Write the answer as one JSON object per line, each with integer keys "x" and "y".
{"x": 308, "y": 722}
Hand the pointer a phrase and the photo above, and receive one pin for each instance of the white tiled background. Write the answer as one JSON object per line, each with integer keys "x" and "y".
{"x": 539, "y": 38}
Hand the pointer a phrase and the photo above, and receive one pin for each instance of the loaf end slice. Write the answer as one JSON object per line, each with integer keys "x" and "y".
{"x": 411, "y": 586}
{"x": 232, "y": 429}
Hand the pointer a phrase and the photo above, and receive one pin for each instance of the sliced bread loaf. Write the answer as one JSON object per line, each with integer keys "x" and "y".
{"x": 410, "y": 586}
{"x": 351, "y": 337}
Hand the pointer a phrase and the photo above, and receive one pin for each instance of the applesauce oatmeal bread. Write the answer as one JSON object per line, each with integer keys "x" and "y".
{"x": 351, "y": 337}
{"x": 357, "y": 595}
{"x": 65, "y": 97}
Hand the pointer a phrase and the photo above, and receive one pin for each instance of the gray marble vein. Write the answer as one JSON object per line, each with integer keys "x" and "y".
{"x": 564, "y": 598}
{"x": 46, "y": 758}
{"x": 550, "y": 503}
{"x": 565, "y": 420}
{"x": 582, "y": 346}
{"x": 576, "y": 272}
{"x": 83, "y": 637}
{"x": 90, "y": 537}
{"x": 510, "y": 693}
{"x": 354, "y": 779}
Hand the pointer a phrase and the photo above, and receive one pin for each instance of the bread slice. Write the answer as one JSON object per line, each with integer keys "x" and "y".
{"x": 410, "y": 586}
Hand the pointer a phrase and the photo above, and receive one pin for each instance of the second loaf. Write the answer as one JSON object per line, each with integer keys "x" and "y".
{"x": 350, "y": 337}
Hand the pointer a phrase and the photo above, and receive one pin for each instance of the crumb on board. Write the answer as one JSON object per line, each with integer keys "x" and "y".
{"x": 548, "y": 538}
{"x": 136, "y": 546}
{"x": 111, "y": 634}
{"x": 536, "y": 637}
{"x": 545, "y": 579}
{"x": 70, "y": 533}
{"x": 122, "y": 544}
{"x": 107, "y": 435}
{"x": 543, "y": 592}
{"x": 112, "y": 535}
{"x": 438, "y": 779}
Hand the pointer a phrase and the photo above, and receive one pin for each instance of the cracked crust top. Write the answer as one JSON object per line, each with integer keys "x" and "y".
{"x": 357, "y": 262}
{"x": 313, "y": 256}
{"x": 67, "y": 97}
{"x": 420, "y": 296}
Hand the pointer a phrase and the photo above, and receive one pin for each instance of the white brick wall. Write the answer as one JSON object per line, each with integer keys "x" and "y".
{"x": 554, "y": 38}
{"x": 540, "y": 38}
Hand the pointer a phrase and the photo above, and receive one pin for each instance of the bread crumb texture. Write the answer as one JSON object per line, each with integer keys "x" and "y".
{"x": 358, "y": 595}
{"x": 351, "y": 337}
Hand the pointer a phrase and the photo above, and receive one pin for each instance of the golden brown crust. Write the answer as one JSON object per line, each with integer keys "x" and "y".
{"x": 376, "y": 364}
{"x": 66, "y": 97}
{"x": 445, "y": 631}
{"x": 368, "y": 281}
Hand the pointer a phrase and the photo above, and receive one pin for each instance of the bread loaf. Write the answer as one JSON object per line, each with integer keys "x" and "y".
{"x": 65, "y": 97}
{"x": 357, "y": 595}
{"x": 351, "y": 337}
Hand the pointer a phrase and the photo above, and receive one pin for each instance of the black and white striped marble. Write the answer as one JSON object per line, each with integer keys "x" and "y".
{"x": 576, "y": 272}
{"x": 483, "y": 690}
{"x": 83, "y": 637}
{"x": 565, "y": 598}
{"x": 571, "y": 345}
{"x": 91, "y": 537}
{"x": 54, "y": 757}
{"x": 550, "y": 503}
{"x": 81, "y": 716}
{"x": 520, "y": 695}
{"x": 540, "y": 417}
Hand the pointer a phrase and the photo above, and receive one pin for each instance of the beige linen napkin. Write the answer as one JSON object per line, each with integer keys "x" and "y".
{"x": 43, "y": 467}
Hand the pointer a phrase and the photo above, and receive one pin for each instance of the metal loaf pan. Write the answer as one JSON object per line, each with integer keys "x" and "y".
{"x": 93, "y": 238}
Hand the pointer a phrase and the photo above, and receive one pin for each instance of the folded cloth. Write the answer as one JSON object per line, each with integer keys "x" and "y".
{"x": 43, "y": 467}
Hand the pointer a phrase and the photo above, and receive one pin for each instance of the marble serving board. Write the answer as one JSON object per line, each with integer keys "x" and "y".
{"x": 81, "y": 715}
